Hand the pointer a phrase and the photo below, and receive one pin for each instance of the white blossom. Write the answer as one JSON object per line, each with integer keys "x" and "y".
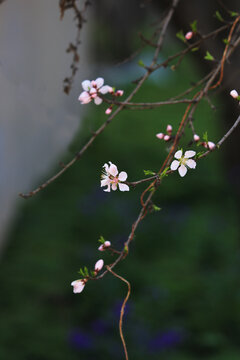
{"x": 92, "y": 90}
{"x": 183, "y": 162}
{"x": 112, "y": 179}
{"x": 78, "y": 285}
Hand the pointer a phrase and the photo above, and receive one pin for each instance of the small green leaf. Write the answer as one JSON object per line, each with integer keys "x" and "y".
{"x": 208, "y": 56}
{"x": 141, "y": 63}
{"x": 226, "y": 41}
{"x": 101, "y": 239}
{"x": 81, "y": 272}
{"x": 238, "y": 98}
{"x": 194, "y": 26}
{"x": 219, "y": 16}
{"x": 126, "y": 249}
{"x": 151, "y": 188}
{"x": 180, "y": 36}
{"x": 199, "y": 154}
{"x": 164, "y": 173}
{"x": 205, "y": 136}
{"x": 233, "y": 13}
{"x": 149, "y": 172}
{"x": 92, "y": 273}
{"x": 194, "y": 49}
{"x": 156, "y": 208}
{"x": 86, "y": 271}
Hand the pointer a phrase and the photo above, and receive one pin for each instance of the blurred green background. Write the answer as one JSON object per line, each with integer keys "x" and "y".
{"x": 183, "y": 265}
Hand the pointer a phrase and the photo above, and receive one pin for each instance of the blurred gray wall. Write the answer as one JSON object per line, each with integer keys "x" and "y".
{"x": 37, "y": 120}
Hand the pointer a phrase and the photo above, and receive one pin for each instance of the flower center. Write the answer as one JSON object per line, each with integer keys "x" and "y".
{"x": 183, "y": 161}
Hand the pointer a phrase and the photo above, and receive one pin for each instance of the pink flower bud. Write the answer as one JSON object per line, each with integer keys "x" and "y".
{"x": 166, "y": 137}
{"x": 189, "y": 35}
{"x": 211, "y": 145}
{"x": 108, "y": 111}
{"x": 99, "y": 265}
{"x": 196, "y": 137}
{"x": 104, "y": 246}
{"x": 119, "y": 92}
{"x": 234, "y": 94}
{"x": 107, "y": 244}
{"x": 160, "y": 135}
{"x": 169, "y": 129}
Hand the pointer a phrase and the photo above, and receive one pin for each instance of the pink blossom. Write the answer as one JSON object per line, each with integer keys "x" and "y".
{"x": 108, "y": 111}
{"x": 99, "y": 265}
{"x": 169, "y": 129}
{"x": 189, "y": 35}
{"x": 104, "y": 246}
{"x": 119, "y": 92}
{"x": 166, "y": 137}
{"x": 196, "y": 137}
{"x": 234, "y": 94}
{"x": 183, "y": 162}
{"x": 209, "y": 145}
{"x": 112, "y": 179}
{"x": 160, "y": 135}
{"x": 78, "y": 285}
{"x": 92, "y": 89}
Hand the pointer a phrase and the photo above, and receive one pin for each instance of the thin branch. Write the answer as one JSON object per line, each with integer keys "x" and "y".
{"x": 122, "y": 308}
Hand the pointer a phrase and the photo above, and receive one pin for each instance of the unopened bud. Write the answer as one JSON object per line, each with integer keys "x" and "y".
{"x": 189, "y": 35}
{"x": 119, "y": 92}
{"x": 108, "y": 111}
{"x": 234, "y": 94}
{"x": 104, "y": 246}
{"x": 166, "y": 137}
{"x": 209, "y": 145}
{"x": 160, "y": 135}
{"x": 196, "y": 137}
{"x": 169, "y": 129}
{"x": 99, "y": 265}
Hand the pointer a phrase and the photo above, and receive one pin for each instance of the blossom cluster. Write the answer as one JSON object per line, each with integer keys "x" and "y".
{"x": 93, "y": 91}
{"x": 78, "y": 285}
{"x": 165, "y": 137}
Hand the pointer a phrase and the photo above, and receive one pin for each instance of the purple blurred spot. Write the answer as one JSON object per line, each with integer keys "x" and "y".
{"x": 117, "y": 308}
{"x": 100, "y": 327}
{"x": 80, "y": 340}
{"x": 163, "y": 341}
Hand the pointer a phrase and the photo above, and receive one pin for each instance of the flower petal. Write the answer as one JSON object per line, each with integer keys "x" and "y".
{"x": 84, "y": 97}
{"x": 114, "y": 186}
{"x": 190, "y": 153}
{"x": 78, "y": 286}
{"x": 178, "y": 154}
{"x": 174, "y": 165}
{"x": 105, "y": 182}
{"x": 99, "y": 81}
{"x": 86, "y": 85}
{"x": 98, "y": 100}
{"x": 123, "y": 187}
{"x": 108, "y": 189}
{"x": 105, "y": 89}
{"x": 191, "y": 164}
{"x": 113, "y": 170}
{"x": 182, "y": 170}
{"x": 122, "y": 176}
